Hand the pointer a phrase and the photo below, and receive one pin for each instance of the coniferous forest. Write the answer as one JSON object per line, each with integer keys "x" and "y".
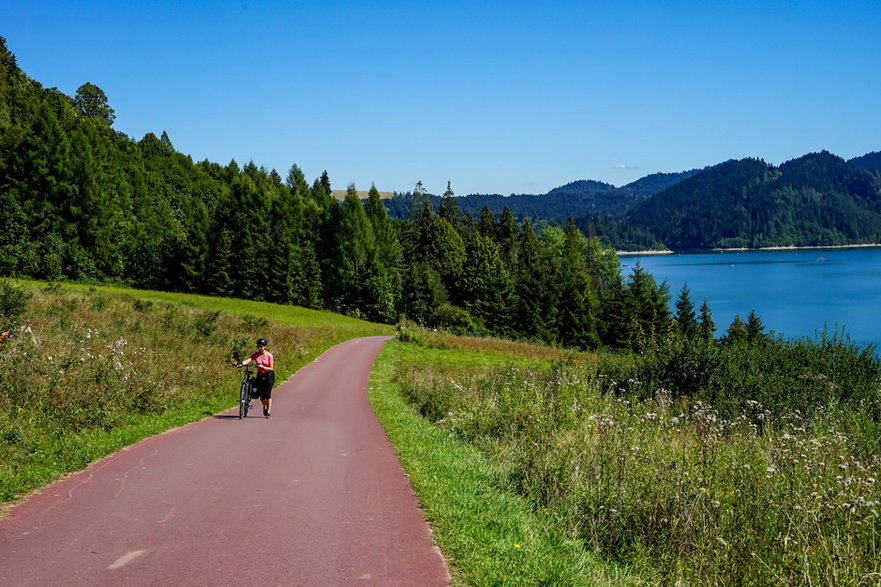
{"x": 82, "y": 201}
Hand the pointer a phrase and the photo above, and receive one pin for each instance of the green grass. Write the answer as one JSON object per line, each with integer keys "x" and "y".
{"x": 489, "y": 534}
{"x": 288, "y": 315}
{"x": 90, "y": 370}
{"x": 670, "y": 487}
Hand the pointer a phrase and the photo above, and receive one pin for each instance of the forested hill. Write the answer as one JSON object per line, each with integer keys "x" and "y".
{"x": 817, "y": 199}
{"x": 581, "y": 198}
{"x": 868, "y": 161}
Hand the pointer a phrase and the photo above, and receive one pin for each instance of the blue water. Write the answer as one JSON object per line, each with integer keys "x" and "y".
{"x": 795, "y": 292}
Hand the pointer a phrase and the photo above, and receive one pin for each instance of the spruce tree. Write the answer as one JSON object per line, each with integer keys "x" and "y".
{"x": 755, "y": 327}
{"x": 506, "y": 235}
{"x": 578, "y": 304}
{"x": 707, "y": 326}
{"x": 388, "y": 248}
{"x": 686, "y": 319}
{"x": 424, "y": 293}
{"x": 485, "y": 285}
{"x": 221, "y": 265}
{"x": 647, "y": 305}
{"x": 486, "y": 224}
{"x": 361, "y": 282}
{"x": 325, "y": 182}
{"x": 535, "y": 305}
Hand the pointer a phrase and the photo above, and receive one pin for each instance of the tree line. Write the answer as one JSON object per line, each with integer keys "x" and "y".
{"x": 81, "y": 201}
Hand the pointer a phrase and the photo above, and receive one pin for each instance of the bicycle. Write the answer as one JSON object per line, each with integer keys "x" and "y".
{"x": 245, "y": 391}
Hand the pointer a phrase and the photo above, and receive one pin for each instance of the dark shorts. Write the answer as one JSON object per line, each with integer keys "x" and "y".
{"x": 263, "y": 384}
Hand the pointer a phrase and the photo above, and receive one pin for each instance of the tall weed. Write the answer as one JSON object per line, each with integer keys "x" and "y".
{"x": 647, "y": 471}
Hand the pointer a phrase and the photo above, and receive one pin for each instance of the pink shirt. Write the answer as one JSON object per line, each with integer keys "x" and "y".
{"x": 264, "y": 358}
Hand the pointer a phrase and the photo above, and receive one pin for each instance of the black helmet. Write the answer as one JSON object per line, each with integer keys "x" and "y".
{"x": 262, "y": 342}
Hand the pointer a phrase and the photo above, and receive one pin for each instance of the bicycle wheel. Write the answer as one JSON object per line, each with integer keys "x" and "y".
{"x": 244, "y": 398}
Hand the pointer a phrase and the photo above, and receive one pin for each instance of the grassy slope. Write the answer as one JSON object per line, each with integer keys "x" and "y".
{"x": 77, "y": 403}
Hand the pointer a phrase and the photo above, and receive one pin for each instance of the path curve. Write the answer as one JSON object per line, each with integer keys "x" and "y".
{"x": 315, "y": 496}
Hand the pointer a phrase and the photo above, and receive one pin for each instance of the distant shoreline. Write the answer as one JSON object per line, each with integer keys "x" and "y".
{"x": 641, "y": 253}
{"x": 720, "y": 250}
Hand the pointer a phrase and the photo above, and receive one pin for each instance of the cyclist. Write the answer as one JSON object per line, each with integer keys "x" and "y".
{"x": 265, "y": 375}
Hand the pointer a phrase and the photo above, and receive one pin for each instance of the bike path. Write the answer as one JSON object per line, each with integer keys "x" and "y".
{"x": 314, "y": 496}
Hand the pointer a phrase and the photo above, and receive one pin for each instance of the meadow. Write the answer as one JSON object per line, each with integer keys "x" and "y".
{"x": 667, "y": 486}
{"x": 89, "y": 370}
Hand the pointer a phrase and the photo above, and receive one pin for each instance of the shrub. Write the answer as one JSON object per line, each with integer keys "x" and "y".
{"x": 782, "y": 374}
{"x": 206, "y": 323}
{"x": 645, "y": 471}
{"x": 13, "y": 303}
{"x": 456, "y": 320}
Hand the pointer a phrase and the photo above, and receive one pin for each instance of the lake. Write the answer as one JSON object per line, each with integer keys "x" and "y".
{"x": 794, "y": 291}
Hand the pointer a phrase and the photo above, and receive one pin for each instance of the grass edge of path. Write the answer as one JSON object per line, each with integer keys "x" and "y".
{"x": 487, "y": 535}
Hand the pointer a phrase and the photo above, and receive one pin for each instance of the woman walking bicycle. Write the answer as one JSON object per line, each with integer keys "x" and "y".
{"x": 265, "y": 380}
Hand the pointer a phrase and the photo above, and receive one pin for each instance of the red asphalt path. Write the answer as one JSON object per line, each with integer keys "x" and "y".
{"x": 315, "y": 496}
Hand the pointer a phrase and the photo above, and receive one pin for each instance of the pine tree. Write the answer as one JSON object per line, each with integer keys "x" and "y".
{"x": 450, "y": 211}
{"x": 486, "y": 224}
{"x": 307, "y": 277}
{"x": 602, "y": 265}
{"x": 41, "y": 178}
{"x": 707, "y": 326}
{"x": 578, "y": 304}
{"x": 42, "y": 175}
{"x": 647, "y": 306}
{"x": 221, "y": 265}
{"x": 388, "y": 248}
{"x": 356, "y": 258}
{"x": 535, "y": 305}
{"x": 506, "y": 235}
{"x": 686, "y": 319}
{"x": 737, "y": 331}
{"x": 615, "y": 325}
{"x": 485, "y": 286}
{"x": 754, "y": 327}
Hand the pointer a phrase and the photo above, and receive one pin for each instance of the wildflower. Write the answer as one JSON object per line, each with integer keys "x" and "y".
{"x": 516, "y": 546}
{"x": 771, "y": 470}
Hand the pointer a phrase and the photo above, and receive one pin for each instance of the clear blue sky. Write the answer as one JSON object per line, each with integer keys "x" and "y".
{"x": 507, "y": 96}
